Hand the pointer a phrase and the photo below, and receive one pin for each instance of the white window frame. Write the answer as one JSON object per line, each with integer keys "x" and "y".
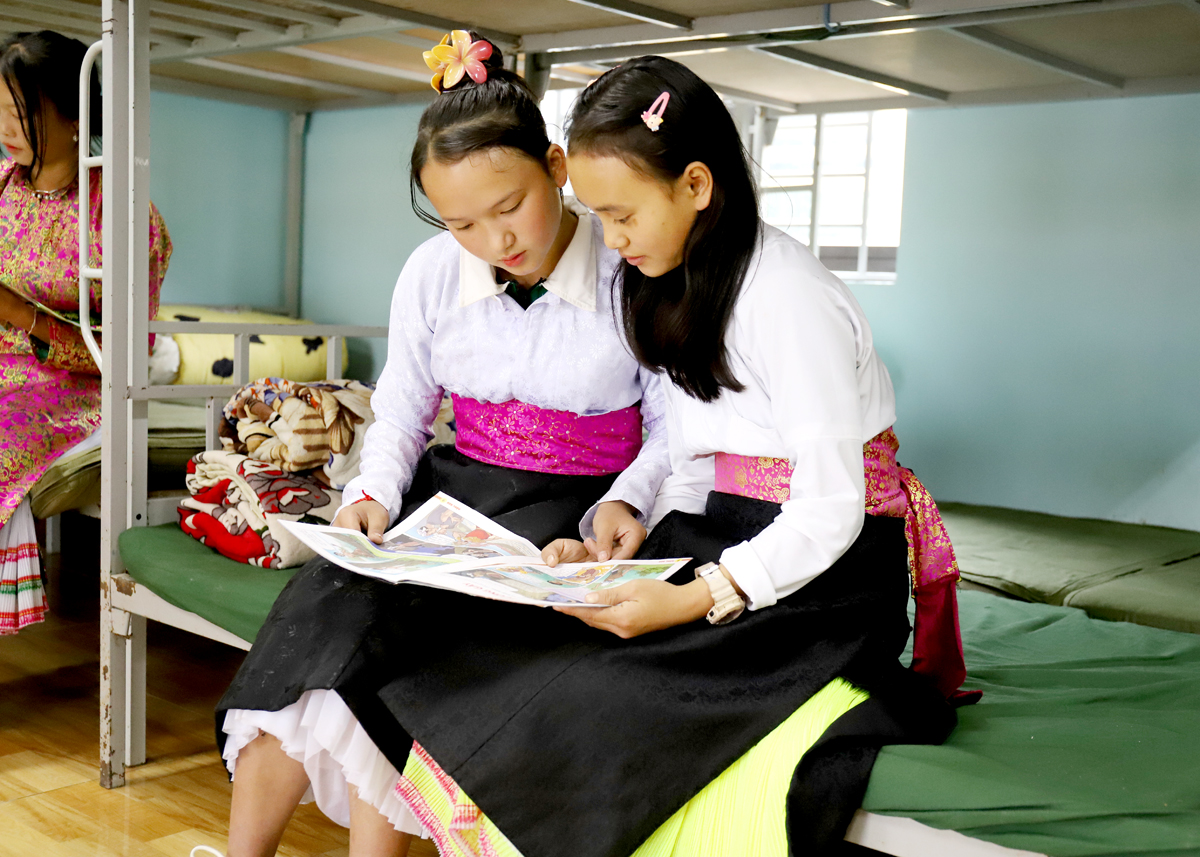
{"x": 861, "y": 275}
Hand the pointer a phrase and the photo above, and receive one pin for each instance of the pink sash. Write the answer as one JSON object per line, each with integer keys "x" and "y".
{"x": 893, "y": 492}
{"x": 525, "y": 437}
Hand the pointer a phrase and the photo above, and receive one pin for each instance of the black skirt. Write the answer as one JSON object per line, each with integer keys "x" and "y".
{"x": 575, "y": 742}
{"x": 333, "y": 629}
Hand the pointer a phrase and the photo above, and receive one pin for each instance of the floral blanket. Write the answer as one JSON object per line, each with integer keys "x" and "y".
{"x": 238, "y": 502}
{"x": 284, "y": 445}
{"x": 299, "y": 427}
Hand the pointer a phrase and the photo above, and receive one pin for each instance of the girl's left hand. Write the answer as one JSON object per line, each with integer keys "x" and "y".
{"x": 642, "y": 606}
{"x": 618, "y": 533}
{"x": 618, "y": 536}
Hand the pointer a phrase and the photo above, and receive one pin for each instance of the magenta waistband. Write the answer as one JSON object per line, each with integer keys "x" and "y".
{"x": 892, "y": 491}
{"x": 525, "y": 437}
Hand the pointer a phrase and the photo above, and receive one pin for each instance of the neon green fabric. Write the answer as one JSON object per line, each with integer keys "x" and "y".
{"x": 179, "y": 569}
{"x": 1086, "y": 742}
{"x": 749, "y": 795}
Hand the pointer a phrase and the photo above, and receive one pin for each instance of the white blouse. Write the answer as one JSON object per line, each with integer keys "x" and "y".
{"x": 815, "y": 392}
{"x": 453, "y": 329}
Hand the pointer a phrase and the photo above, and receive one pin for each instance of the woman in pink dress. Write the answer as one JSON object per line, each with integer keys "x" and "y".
{"x": 49, "y": 384}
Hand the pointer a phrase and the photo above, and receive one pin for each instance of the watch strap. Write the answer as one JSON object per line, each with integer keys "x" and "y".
{"x": 727, "y": 604}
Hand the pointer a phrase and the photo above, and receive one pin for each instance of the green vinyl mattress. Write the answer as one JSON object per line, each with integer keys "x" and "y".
{"x": 1086, "y": 741}
{"x": 180, "y": 570}
{"x": 1128, "y": 572}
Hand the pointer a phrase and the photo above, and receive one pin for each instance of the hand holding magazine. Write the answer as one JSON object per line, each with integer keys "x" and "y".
{"x": 448, "y": 545}
{"x": 71, "y": 317}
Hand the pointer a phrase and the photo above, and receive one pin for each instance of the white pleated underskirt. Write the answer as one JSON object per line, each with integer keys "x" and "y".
{"x": 320, "y": 732}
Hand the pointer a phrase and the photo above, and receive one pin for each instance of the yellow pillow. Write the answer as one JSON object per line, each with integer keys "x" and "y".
{"x": 208, "y": 358}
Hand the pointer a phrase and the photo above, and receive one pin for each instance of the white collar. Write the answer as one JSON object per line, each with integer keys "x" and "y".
{"x": 573, "y": 278}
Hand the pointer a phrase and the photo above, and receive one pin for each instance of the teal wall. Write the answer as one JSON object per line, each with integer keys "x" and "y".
{"x": 218, "y": 175}
{"x": 359, "y": 228}
{"x": 1044, "y": 330}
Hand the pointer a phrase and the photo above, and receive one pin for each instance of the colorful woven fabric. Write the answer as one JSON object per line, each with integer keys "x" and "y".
{"x": 525, "y": 437}
{"x": 47, "y": 407}
{"x": 740, "y": 812}
{"x": 892, "y": 491}
{"x": 22, "y": 599}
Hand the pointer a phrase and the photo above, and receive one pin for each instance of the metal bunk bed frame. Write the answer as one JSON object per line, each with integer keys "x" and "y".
{"x": 125, "y": 392}
{"x": 125, "y": 606}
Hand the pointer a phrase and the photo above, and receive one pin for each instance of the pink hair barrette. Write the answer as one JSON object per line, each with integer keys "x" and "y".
{"x": 455, "y": 56}
{"x": 654, "y": 116}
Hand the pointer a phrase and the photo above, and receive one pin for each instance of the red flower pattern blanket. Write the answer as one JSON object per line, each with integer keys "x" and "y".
{"x": 237, "y": 503}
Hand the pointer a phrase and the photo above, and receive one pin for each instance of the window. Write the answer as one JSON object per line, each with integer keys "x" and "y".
{"x": 845, "y": 172}
{"x": 556, "y": 107}
{"x": 850, "y": 185}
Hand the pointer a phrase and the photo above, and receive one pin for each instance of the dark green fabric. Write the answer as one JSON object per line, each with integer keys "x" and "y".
{"x": 1086, "y": 741}
{"x": 525, "y": 297}
{"x": 1045, "y": 558}
{"x": 196, "y": 578}
{"x": 1165, "y": 596}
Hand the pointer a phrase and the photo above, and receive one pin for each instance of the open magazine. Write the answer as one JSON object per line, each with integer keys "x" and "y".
{"x": 448, "y": 545}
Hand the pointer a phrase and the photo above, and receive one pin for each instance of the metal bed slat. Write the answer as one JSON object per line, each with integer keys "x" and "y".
{"x": 267, "y": 328}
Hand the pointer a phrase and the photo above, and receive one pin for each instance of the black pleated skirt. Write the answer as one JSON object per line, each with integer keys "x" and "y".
{"x": 575, "y": 742}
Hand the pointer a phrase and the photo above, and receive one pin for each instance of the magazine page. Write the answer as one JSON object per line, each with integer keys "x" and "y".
{"x": 448, "y": 545}
{"x": 354, "y": 551}
{"x": 442, "y": 532}
{"x": 443, "y": 526}
{"x": 539, "y": 584}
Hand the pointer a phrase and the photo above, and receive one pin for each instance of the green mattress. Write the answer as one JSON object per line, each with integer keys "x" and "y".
{"x": 1135, "y": 573}
{"x": 179, "y": 569}
{"x": 1086, "y": 742}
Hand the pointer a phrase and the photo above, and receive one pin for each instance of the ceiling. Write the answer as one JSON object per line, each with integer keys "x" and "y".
{"x": 790, "y": 57}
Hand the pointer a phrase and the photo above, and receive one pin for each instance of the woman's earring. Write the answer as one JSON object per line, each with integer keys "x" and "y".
{"x": 75, "y": 137}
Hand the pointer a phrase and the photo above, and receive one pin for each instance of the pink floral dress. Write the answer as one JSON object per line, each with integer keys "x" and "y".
{"x": 48, "y": 401}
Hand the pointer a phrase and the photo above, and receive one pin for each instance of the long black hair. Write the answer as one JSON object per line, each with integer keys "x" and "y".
{"x": 678, "y": 323}
{"x": 469, "y": 117}
{"x": 43, "y": 68}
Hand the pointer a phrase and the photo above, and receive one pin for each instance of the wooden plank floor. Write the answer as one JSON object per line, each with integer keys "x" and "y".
{"x": 51, "y": 803}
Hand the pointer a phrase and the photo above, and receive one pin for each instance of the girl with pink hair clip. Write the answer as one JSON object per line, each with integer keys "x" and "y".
{"x": 738, "y": 707}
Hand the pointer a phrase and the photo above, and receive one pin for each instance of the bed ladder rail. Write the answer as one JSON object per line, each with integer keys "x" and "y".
{"x": 127, "y": 604}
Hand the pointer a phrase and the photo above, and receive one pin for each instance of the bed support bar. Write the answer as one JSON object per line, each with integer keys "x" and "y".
{"x": 125, "y": 392}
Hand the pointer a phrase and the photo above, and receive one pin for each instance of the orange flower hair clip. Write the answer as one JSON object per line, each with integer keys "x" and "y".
{"x": 455, "y": 56}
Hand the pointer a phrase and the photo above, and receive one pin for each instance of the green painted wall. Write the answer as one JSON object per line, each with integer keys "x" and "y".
{"x": 218, "y": 174}
{"x": 1044, "y": 331}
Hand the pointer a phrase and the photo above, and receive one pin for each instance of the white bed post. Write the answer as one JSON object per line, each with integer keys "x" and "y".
{"x": 126, "y": 273}
{"x": 139, "y": 356}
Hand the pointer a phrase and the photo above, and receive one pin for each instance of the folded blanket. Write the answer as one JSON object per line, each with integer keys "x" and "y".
{"x": 284, "y": 445}
{"x": 238, "y": 502}
{"x": 298, "y": 427}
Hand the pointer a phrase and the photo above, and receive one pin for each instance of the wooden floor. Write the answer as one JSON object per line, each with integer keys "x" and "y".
{"x": 50, "y": 801}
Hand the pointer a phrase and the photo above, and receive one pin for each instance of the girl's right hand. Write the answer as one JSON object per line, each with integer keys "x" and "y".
{"x": 365, "y": 516}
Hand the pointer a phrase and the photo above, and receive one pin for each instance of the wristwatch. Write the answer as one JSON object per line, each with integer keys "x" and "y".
{"x": 727, "y": 604}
